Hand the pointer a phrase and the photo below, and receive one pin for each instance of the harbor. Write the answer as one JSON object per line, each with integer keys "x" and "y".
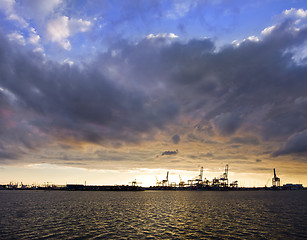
{"x": 198, "y": 183}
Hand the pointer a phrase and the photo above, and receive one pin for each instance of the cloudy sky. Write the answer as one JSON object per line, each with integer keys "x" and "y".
{"x": 108, "y": 91}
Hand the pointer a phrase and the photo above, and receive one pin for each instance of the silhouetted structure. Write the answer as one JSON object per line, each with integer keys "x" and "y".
{"x": 222, "y": 181}
{"x": 234, "y": 184}
{"x": 224, "y": 177}
{"x": 165, "y": 182}
{"x": 134, "y": 183}
{"x": 181, "y": 183}
{"x": 275, "y": 180}
{"x": 198, "y": 180}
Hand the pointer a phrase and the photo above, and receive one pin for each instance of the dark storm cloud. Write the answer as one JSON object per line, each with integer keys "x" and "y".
{"x": 169, "y": 153}
{"x": 132, "y": 90}
{"x": 176, "y": 139}
{"x": 297, "y": 143}
{"x": 7, "y": 155}
{"x": 226, "y": 124}
{"x": 254, "y": 87}
{"x": 245, "y": 140}
{"x": 209, "y": 155}
{"x": 69, "y": 103}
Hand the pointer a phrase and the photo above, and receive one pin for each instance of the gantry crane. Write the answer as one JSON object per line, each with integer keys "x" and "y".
{"x": 198, "y": 180}
{"x": 158, "y": 183}
{"x": 165, "y": 182}
{"x": 221, "y": 181}
{"x": 234, "y": 184}
{"x": 224, "y": 177}
{"x": 275, "y": 180}
{"x": 181, "y": 183}
{"x": 134, "y": 183}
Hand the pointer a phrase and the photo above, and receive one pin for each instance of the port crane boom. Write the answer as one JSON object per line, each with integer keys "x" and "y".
{"x": 165, "y": 182}
{"x": 275, "y": 180}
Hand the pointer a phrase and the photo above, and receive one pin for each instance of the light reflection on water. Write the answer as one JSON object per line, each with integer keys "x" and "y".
{"x": 153, "y": 215}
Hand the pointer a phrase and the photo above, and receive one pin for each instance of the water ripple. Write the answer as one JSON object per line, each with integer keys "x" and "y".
{"x": 153, "y": 215}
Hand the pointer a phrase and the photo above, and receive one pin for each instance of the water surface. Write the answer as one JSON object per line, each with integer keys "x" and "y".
{"x": 153, "y": 215}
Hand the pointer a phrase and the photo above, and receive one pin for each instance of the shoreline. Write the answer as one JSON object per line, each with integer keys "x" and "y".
{"x": 80, "y": 187}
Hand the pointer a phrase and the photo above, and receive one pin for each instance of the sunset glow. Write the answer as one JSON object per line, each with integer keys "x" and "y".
{"x": 105, "y": 92}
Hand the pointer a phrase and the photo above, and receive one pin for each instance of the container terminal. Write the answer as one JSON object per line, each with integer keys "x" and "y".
{"x": 198, "y": 183}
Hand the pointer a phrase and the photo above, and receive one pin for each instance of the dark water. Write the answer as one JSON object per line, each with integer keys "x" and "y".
{"x": 153, "y": 215}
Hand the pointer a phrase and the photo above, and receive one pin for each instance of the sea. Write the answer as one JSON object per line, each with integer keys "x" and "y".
{"x": 153, "y": 215}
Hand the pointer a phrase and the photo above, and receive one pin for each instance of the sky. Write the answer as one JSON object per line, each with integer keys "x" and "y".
{"x": 105, "y": 92}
